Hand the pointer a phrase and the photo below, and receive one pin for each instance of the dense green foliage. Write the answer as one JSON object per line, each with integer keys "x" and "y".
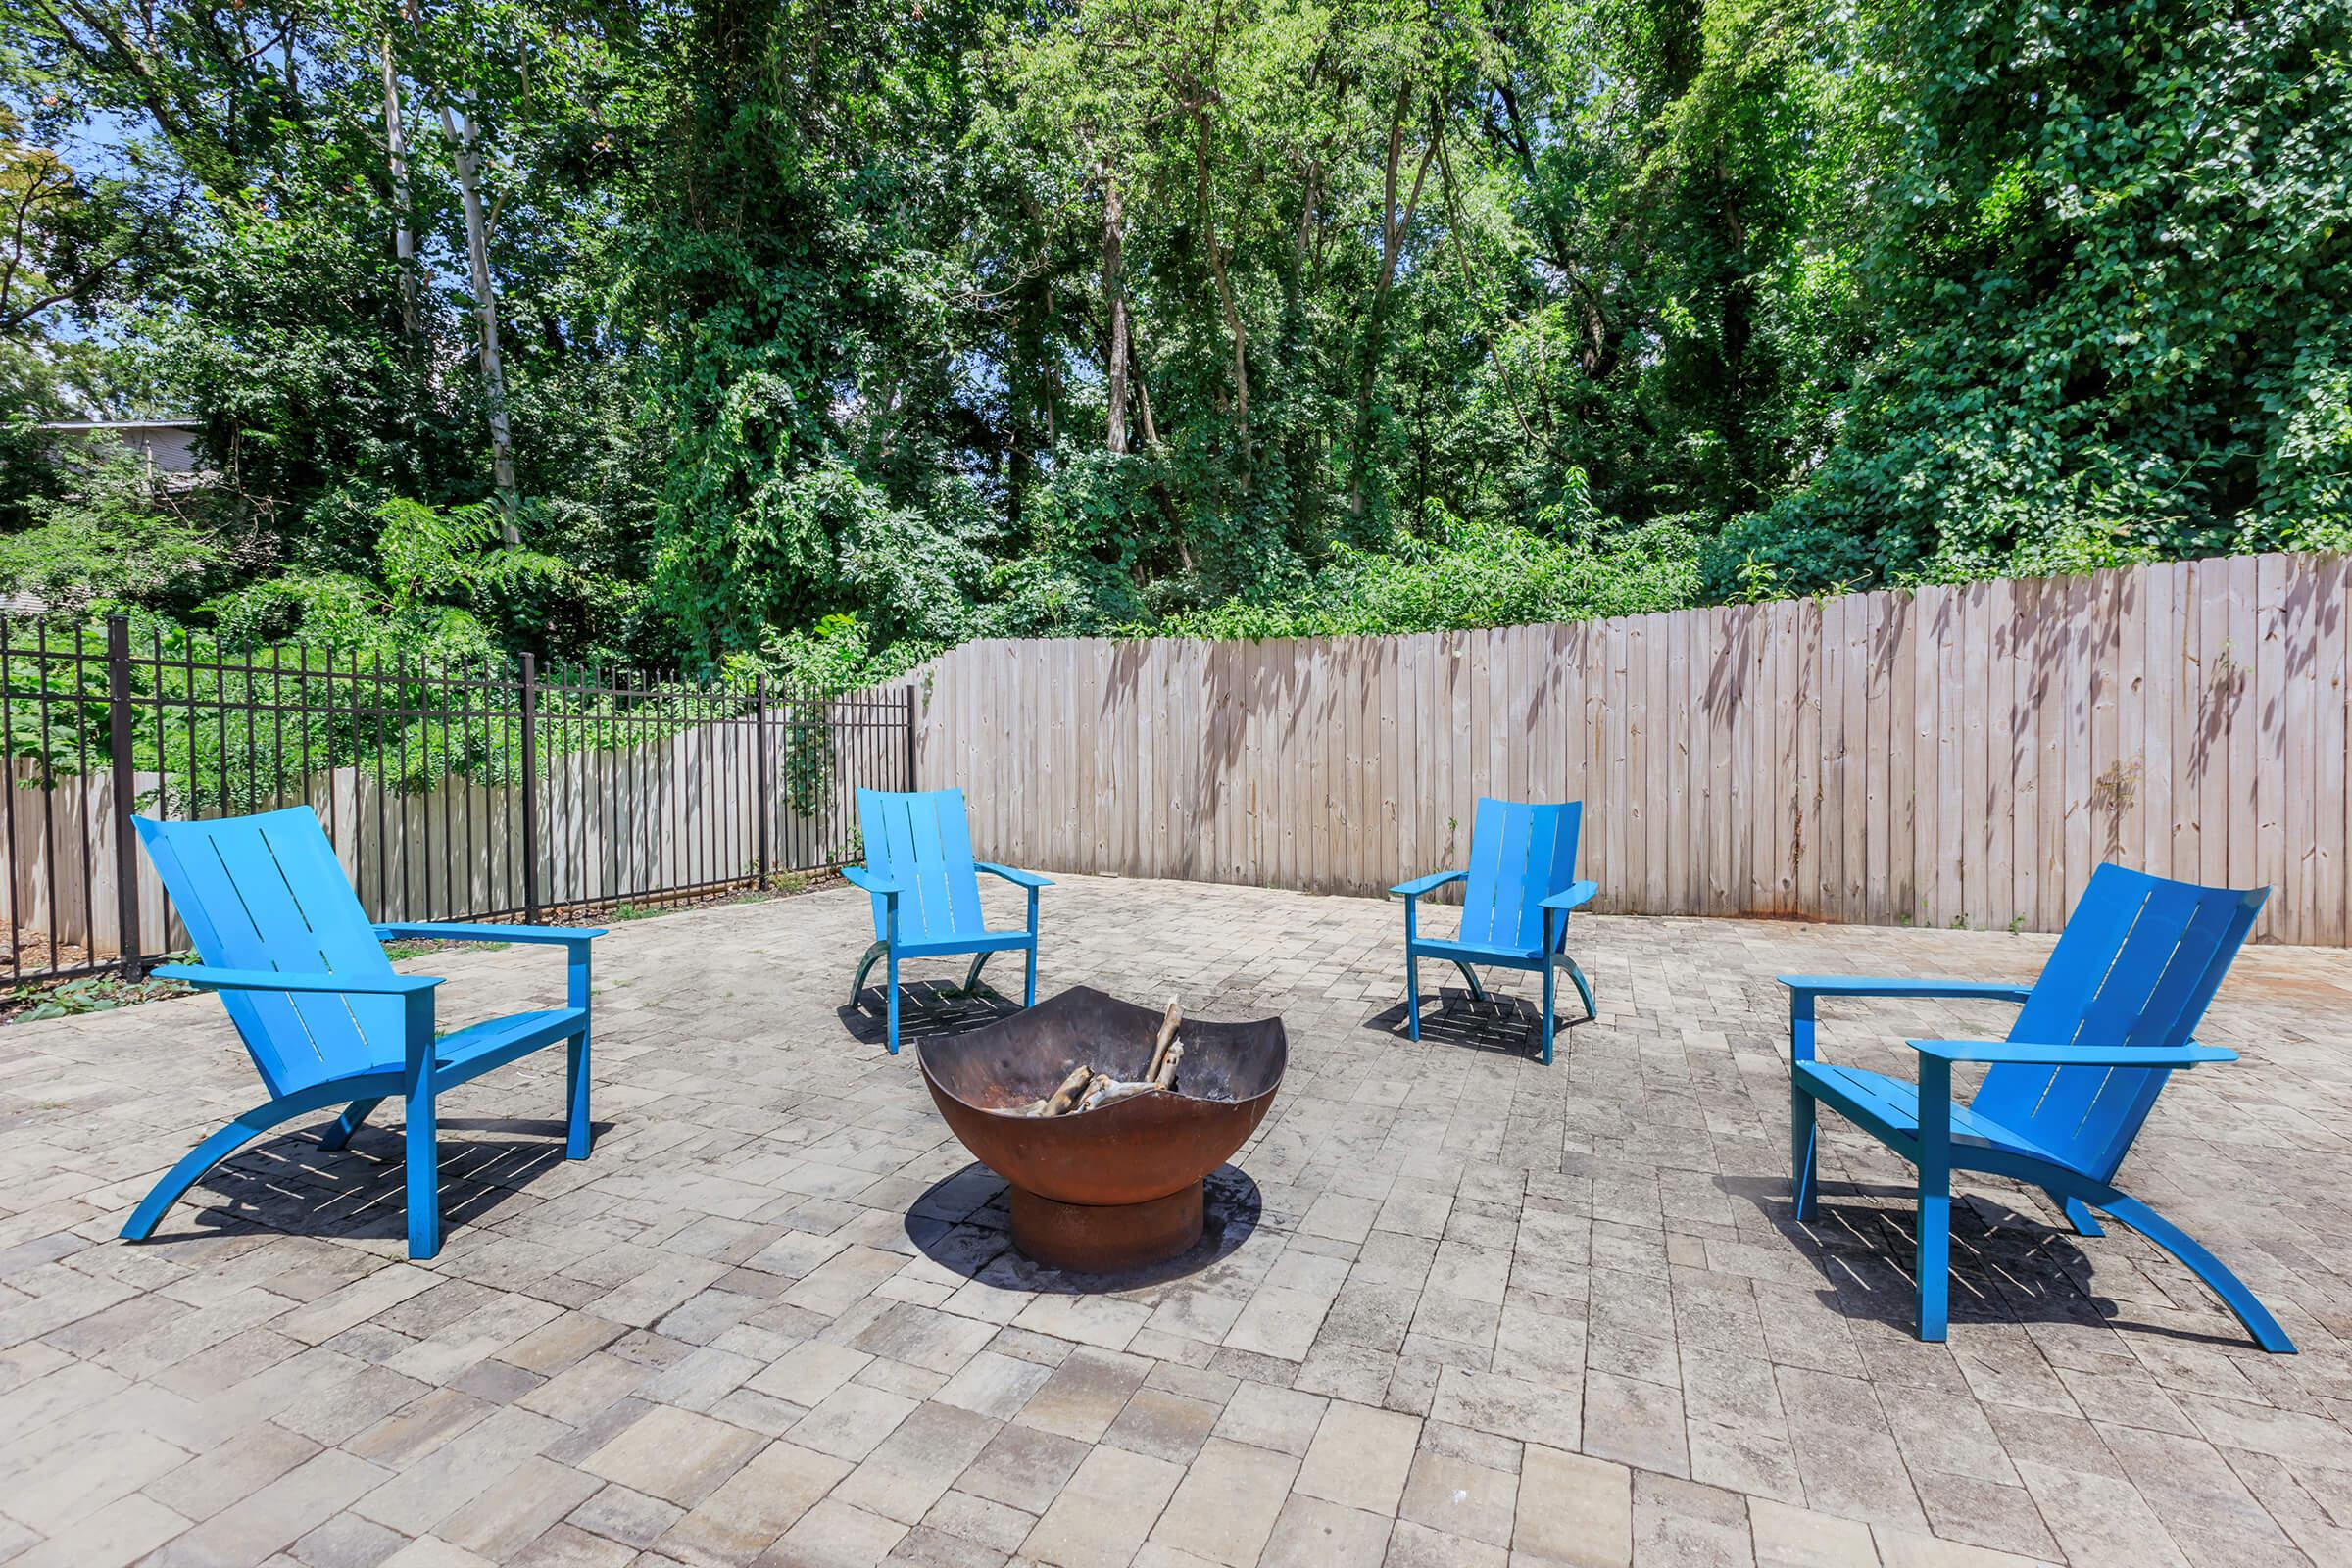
{"x": 826, "y": 333}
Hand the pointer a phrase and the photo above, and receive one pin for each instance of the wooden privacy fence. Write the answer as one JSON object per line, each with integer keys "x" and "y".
{"x": 1947, "y": 757}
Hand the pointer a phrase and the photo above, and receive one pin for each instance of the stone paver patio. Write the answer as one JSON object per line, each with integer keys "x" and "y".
{"x": 1456, "y": 1309}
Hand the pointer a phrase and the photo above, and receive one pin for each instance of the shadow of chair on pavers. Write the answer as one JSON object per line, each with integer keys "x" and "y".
{"x": 1497, "y": 1022}
{"x": 964, "y": 1223}
{"x": 295, "y": 1185}
{"x": 2008, "y": 1264}
{"x": 928, "y": 1009}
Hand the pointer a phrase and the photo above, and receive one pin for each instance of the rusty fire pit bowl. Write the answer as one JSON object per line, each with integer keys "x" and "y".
{"x": 1112, "y": 1189}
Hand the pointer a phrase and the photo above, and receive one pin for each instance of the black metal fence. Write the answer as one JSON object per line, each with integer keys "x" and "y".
{"x": 494, "y": 790}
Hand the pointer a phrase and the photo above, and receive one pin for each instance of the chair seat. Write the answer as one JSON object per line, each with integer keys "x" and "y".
{"x": 1479, "y": 953}
{"x": 960, "y": 942}
{"x": 1873, "y": 1096}
{"x": 468, "y": 1052}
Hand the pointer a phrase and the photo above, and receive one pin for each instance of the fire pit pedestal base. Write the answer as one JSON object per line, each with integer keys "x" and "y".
{"x": 1106, "y": 1238}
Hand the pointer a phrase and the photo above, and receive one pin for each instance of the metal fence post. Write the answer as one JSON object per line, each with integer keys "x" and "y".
{"x": 910, "y": 734}
{"x": 530, "y": 789}
{"x": 763, "y": 773}
{"x": 119, "y": 740}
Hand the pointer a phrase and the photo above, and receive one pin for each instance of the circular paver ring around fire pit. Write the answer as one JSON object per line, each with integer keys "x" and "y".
{"x": 1117, "y": 1187}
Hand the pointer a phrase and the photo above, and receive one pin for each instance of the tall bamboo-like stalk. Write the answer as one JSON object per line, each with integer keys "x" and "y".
{"x": 1394, "y": 227}
{"x": 465, "y": 164}
{"x": 1114, "y": 303}
{"x": 404, "y": 238}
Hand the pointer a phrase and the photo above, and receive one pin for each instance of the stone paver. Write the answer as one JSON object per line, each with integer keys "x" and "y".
{"x": 1456, "y": 1309}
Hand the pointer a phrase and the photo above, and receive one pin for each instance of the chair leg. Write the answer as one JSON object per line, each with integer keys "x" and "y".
{"x": 1029, "y": 979}
{"x": 865, "y": 967}
{"x": 424, "y": 1176}
{"x": 1583, "y": 988}
{"x": 2212, "y": 1270}
{"x": 203, "y": 1158}
{"x": 1478, "y": 993}
{"x": 577, "y": 1132}
{"x": 1412, "y": 996}
{"x": 893, "y": 1001}
{"x": 339, "y": 1134}
{"x": 1803, "y": 1137}
{"x": 2079, "y": 1215}
{"x": 1934, "y": 1253}
{"x": 1551, "y": 991}
{"x": 971, "y": 976}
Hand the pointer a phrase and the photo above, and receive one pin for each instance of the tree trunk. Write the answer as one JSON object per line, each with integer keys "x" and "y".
{"x": 1225, "y": 300}
{"x": 1114, "y": 301}
{"x": 1143, "y": 404}
{"x": 1461, "y": 263}
{"x": 1598, "y": 353}
{"x": 1392, "y": 228}
{"x": 404, "y": 238}
{"x": 465, "y": 162}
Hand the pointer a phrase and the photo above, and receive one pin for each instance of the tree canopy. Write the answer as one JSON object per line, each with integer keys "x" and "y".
{"x": 822, "y": 334}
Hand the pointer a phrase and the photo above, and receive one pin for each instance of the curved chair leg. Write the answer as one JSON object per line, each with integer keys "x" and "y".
{"x": 339, "y": 1134}
{"x": 971, "y": 978}
{"x": 1583, "y": 988}
{"x": 205, "y": 1155}
{"x": 578, "y": 1133}
{"x": 1478, "y": 993}
{"x": 893, "y": 1001}
{"x": 1412, "y": 996}
{"x": 2079, "y": 1215}
{"x": 2212, "y": 1270}
{"x": 865, "y": 967}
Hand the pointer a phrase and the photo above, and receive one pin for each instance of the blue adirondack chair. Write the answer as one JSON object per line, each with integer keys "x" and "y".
{"x": 303, "y": 974}
{"x": 2113, "y": 1013}
{"x": 927, "y": 891}
{"x": 1522, "y": 884}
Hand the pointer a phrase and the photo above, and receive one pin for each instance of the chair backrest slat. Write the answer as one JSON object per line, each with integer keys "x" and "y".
{"x": 2137, "y": 965}
{"x": 921, "y": 841}
{"x": 266, "y": 892}
{"x": 1520, "y": 854}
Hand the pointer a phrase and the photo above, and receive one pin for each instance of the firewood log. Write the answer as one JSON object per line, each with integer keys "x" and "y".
{"x": 1168, "y": 1026}
{"x": 1165, "y": 1078}
{"x": 1062, "y": 1099}
{"x": 1108, "y": 1091}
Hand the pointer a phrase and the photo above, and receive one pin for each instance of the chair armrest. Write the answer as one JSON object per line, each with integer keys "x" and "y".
{"x": 1426, "y": 884}
{"x": 460, "y": 931}
{"x": 2034, "y": 1053}
{"x": 859, "y": 876}
{"x": 205, "y": 977}
{"x": 1830, "y": 985}
{"x": 1575, "y": 892}
{"x": 1019, "y": 878}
